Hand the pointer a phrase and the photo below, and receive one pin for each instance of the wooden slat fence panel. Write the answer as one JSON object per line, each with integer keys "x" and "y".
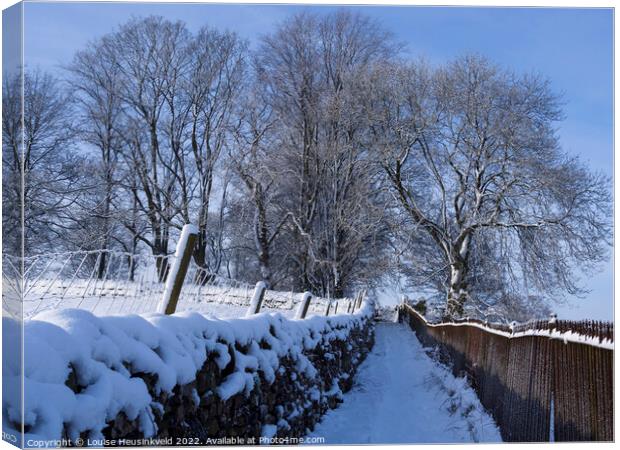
{"x": 537, "y": 387}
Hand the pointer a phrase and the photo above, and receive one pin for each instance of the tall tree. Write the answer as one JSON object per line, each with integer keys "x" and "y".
{"x": 95, "y": 80}
{"x": 252, "y": 158}
{"x": 37, "y": 151}
{"x": 214, "y": 82}
{"x": 149, "y": 54}
{"x": 288, "y": 64}
{"x": 305, "y": 66}
{"x": 472, "y": 156}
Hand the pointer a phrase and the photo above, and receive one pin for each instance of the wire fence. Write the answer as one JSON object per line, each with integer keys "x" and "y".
{"x": 542, "y": 381}
{"x": 109, "y": 282}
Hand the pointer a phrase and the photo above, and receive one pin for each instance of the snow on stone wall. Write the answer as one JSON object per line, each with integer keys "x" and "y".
{"x": 88, "y": 377}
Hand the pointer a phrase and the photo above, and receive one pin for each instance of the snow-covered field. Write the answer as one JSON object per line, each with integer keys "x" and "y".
{"x": 401, "y": 395}
{"x": 61, "y": 281}
{"x": 119, "y": 306}
{"x": 223, "y": 302}
{"x": 208, "y": 309}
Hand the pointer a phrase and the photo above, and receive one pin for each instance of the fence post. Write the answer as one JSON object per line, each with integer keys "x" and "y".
{"x": 329, "y": 304}
{"x": 513, "y": 325}
{"x": 355, "y": 302}
{"x": 176, "y": 275}
{"x": 302, "y": 310}
{"x": 361, "y": 298}
{"x": 336, "y": 309}
{"x": 257, "y": 299}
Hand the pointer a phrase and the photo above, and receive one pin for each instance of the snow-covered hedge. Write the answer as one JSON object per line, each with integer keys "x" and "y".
{"x": 181, "y": 375}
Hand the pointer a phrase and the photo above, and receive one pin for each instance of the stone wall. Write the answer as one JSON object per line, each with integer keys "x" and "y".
{"x": 285, "y": 403}
{"x": 292, "y": 403}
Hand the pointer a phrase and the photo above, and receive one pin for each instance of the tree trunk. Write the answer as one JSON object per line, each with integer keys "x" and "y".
{"x": 161, "y": 263}
{"x": 160, "y": 250}
{"x": 265, "y": 271}
{"x": 457, "y": 291}
{"x": 338, "y": 291}
{"x": 107, "y": 206}
{"x": 261, "y": 234}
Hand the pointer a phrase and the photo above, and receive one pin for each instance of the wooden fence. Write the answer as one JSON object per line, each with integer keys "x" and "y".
{"x": 547, "y": 381}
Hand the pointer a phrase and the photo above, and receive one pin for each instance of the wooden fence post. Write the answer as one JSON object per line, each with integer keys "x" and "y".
{"x": 553, "y": 319}
{"x": 329, "y": 304}
{"x": 336, "y": 309}
{"x": 176, "y": 275}
{"x": 361, "y": 297}
{"x": 354, "y": 302}
{"x": 302, "y": 310}
{"x": 257, "y": 299}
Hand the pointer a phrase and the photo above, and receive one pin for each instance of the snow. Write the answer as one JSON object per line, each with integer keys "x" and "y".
{"x": 121, "y": 298}
{"x": 402, "y": 395}
{"x": 49, "y": 350}
{"x": 269, "y": 431}
{"x": 103, "y": 352}
{"x": 568, "y": 336}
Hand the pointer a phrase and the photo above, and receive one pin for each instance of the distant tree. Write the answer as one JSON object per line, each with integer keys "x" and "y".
{"x": 495, "y": 208}
{"x": 38, "y": 152}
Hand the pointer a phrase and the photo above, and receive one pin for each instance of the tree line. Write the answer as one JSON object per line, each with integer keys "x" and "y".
{"x": 320, "y": 159}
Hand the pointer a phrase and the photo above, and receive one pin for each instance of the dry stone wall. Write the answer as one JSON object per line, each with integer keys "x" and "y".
{"x": 287, "y": 406}
{"x": 182, "y": 379}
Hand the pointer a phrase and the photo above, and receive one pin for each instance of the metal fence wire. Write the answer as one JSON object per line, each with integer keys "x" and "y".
{"x": 115, "y": 282}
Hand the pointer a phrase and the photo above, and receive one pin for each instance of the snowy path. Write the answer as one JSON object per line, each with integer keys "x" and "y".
{"x": 402, "y": 396}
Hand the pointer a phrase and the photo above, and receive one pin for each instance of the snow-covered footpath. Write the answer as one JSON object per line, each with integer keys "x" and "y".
{"x": 401, "y": 395}
{"x": 82, "y": 372}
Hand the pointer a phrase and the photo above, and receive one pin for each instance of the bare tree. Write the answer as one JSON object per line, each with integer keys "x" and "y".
{"x": 471, "y": 154}
{"x": 95, "y": 80}
{"x": 288, "y": 64}
{"x": 214, "y": 82}
{"x": 149, "y": 53}
{"x": 305, "y": 66}
{"x": 52, "y": 176}
{"x": 157, "y": 102}
{"x": 251, "y": 156}
{"x": 12, "y": 160}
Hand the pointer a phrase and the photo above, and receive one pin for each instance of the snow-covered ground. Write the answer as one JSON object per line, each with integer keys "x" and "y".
{"x": 131, "y": 285}
{"x": 207, "y": 309}
{"x": 224, "y": 302}
{"x": 401, "y": 395}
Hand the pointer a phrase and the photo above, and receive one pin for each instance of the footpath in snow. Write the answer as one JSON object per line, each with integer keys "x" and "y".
{"x": 401, "y": 395}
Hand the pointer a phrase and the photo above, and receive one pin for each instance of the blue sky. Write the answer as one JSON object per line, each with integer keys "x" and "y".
{"x": 572, "y": 47}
